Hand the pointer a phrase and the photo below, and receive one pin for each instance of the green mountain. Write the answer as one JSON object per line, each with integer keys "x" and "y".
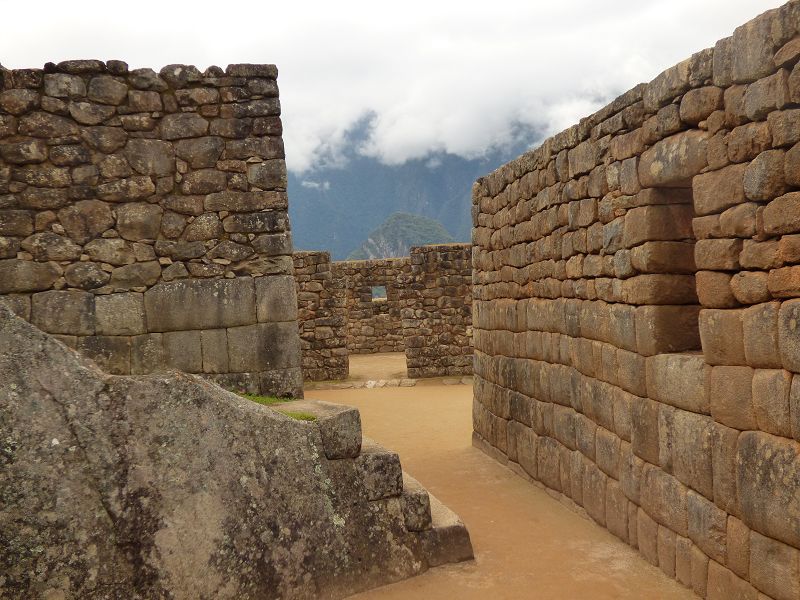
{"x": 397, "y": 234}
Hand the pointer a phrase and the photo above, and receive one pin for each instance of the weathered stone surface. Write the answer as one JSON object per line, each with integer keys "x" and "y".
{"x": 114, "y": 251}
{"x": 18, "y": 102}
{"x": 715, "y": 191}
{"x": 137, "y": 275}
{"x": 150, "y": 157}
{"x": 204, "y": 181}
{"x": 707, "y": 526}
{"x": 120, "y": 314}
{"x": 276, "y": 299}
{"x": 68, "y": 312}
{"x": 24, "y": 152}
{"x": 200, "y": 153}
{"x": 270, "y": 174}
{"x": 26, "y": 276}
{"x": 86, "y": 275}
{"x": 731, "y": 396}
{"x": 185, "y": 418}
{"x": 722, "y": 337}
{"x": 104, "y": 139}
{"x": 673, "y": 161}
{"x": 183, "y": 125}
{"x": 678, "y": 380}
{"x": 61, "y": 85}
{"x": 782, "y": 215}
{"x": 139, "y": 221}
{"x": 263, "y": 347}
{"x": 246, "y": 201}
{"x": 767, "y": 478}
{"x": 16, "y": 222}
{"x": 51, "y": 246}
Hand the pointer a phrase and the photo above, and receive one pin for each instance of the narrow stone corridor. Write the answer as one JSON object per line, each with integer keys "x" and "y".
{"x": 527, "y": 544}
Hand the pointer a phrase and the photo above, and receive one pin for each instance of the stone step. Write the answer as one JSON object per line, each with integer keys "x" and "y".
{"x": 339, "y": 426}
{"x": 381, "y": 472}
{"x": 447, "y": 541}
{"x": 416, "y": 504}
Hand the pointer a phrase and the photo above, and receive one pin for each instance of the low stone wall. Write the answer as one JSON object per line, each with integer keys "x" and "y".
{"x": 143, "y": 218}
{"x": 322, "y": 317}
{"x": 437, "y": 323}
{"x": 635, "y": 315}
{"x": 373, "y": 324}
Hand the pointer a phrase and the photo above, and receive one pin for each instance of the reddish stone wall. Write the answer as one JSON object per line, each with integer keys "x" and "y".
{"x": 322, "y": 317}
{"x": 635, "y": 327}
{"x": 143, "y": 218}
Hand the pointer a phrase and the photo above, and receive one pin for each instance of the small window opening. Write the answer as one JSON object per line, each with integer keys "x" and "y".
{"x": 379, "y": 293}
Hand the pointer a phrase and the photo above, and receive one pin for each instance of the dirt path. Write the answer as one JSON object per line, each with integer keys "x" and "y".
{"x": 527, "y": 545}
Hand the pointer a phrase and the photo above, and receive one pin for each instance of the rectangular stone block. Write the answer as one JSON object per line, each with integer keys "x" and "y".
{"x": 662, "y": 329}
{"x": 594, "y": 493}
{"x": 730, "y": 391}
{"x": 607, "y": 453}
{"x": 147, "y": 354}
{"x": 214, "y": 344}
{"x": 715, "y": 191}
{"x": 723, "y": 584}
{"x": 774, "y": 567}
{"x": 771, "y": 391}
{"x": 644, "y": 430}
{"x": 666, "y": 222}
{"x": 205, "y": 304}
{"x": 647, "y": 537}
{"x": 708, "y": 527}
{"x": 263, "y": 347}
{"x": 760, "y": 336}
{"x": 664, "y": 257}
{"x": 718, "y": 254}
{"x": 692, "y": 458}
{"x": 660, "y": 289}
{"x": 111, "y": 353}
{"x": 183, "y": 351}
{"x": 721, "y": 334}
{"x": 664, "y": 498}
{"x": 276, "y": 298}
{"x": 674, "y": 161}
{"x": 738, "y": 547}
{"x": 120, "y": 314}
{"x": 69, "y": 312}
{"x": 678, "y": 380}
{"x": 631, "y": 372}
{"x": 788, "y": 338}
{"x": 666, "y": 550}
{"x": 616, "y": 510}
{"x": 699, "y": 572}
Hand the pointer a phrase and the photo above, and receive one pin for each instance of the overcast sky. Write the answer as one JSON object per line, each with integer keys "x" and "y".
{"x": 455, "y": 76}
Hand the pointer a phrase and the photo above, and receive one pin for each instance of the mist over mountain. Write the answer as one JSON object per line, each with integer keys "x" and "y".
{"x": 398, "y": 234}
{"x": 336, "y": 206}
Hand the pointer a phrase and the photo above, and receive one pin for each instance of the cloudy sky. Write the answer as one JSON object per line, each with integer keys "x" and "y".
{"x": 427, "y": 76}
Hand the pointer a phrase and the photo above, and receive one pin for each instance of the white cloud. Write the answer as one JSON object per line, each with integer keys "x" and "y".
{"x": 316, "y": 185}
{"x": 455, "y": 76}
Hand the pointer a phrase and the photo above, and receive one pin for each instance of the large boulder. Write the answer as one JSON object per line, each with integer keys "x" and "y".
{"x": 169, "y": 486}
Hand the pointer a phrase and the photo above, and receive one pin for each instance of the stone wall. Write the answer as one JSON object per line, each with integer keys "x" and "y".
{"x": 635, "y": 315}
{"x": 322, "y": 317}
{"x": 373, "y": 325}
{"x": 437, "y": 323}
{"x": 427, "y": 313}
{"x": 143, "y": 218}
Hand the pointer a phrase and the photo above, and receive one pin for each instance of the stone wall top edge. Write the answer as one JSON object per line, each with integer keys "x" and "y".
{"x": 783, "y": 20}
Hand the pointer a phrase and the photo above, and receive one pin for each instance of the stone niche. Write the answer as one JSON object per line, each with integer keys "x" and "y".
{"x": 426, "y": 312}
{"x": 637, "y": 291}
{"x": 143, "y": 218}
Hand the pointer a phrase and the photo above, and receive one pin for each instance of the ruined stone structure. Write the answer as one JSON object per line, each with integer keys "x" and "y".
{"x": 143, "y": 218}
{"x": 166, "y": 486}
{"x": 636, "y": 315}
{"x": 427, "y": 312}
{"x": 322, "y": 317}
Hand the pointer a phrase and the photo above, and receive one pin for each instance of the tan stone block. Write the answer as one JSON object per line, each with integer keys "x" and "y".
{"x": 706, "y": 227}
{"x": 782, "y": 215}
{"x": 750, "y": 287}
{"x": 715, "y": 191}
{"x": 717, "y": 254}
{"x": 724, "y": 467}
{"x": 664, "y": 498}
{"x": 616, "y": 510}
{"x": 699, "y": 572}
{"x": 678, "y": 380}
{"x": 683, "y": 561}
{"x": 764, "y": 177}
{"x": 671, "y": 222}
{"x": 120, "y": 314}
{"x": 183, "y": 351}
{"x": 730, "y": 391}
{"x": 673, "y": 161}
{"x": 759, "y": 255}
{"x": 741, "y": 220}
{"x": 738, "y": 547}
{"x": 276, "y": 298}
{"x": 724, "y": 585}
{"x": 760, "y": 332}
{"x": 645, "y": 431}
{"x": 647, "y": 537}
{"x": 633, "y": 525}
{"x": 784, "y": 282}
{"x": 771, "y": 401}
{"x": 660, "y": 289}
{"x": 714, "y": 289}
{"x": 748, "y": 141}
{"x": 791, "y": 167}
{"x": 631, "y": 372}
{"x": 767, "y": 479}
{"x": 708, "y": 527}
{"x": 788, "y": 250}
{"x": 667, "y": 329}
{"x": 263, "y": 347}
{"x": 692, "y": 443}
{"x": 722, "y": 337}
{"x": 607, "y": 452}
{"x": 666, "y": 550}
{"x": 698, "y": 104}
{"x": 785, "y": 127}
{"x": 774, "y": 567}
{"x": 788, "y": 339}
{"x": 663, "y": 257}
{"x": 214, "y": 345}
{"x": 69, "y": 312}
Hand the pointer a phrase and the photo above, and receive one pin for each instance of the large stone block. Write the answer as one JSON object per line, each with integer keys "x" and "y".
{"x": 670, "y": 222}
{"x": 214, "y": 344}
{"x": 715, "y": 191}
{"x": 660, "y": 290}
{"x": 69, "y": 312}
{"x": 782, "y": 215}
{"x": 760, "y": 330}
{"x": 730, "y": 391}
{"x": 788, "y": 338}
{"x": 139, "y": 221}
{"x": 147, "y": 354}
{"x": 678, "y": 380}
{"x": 664, "y": 498}
{"x": 774, "y": 567}
{"x": 723, "y": 584}
{"x": 112, "y": 353}
{"x": 708, "y": 527}
{"x": 647, "y": 537}
{"x": 206, "y": 304}
{"x": 183, "y": 351}
{"x": 120, "y": 314}
{"x": 276, "y": 298}
{"x": 644, "y": 430}
{"x": 721, "y": 333}
{"x": 692, "y": 445}
{"x": 264, "y": 347}
{"x": 771, "y": 388}
{"x": 673, "y": 162}
{"x": 150, "y": 157}
{"x": 767, "y": 478}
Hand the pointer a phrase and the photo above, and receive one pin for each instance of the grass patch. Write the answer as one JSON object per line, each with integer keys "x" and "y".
{"x": 300, "y": 416}
{"x": 265, "y": 400}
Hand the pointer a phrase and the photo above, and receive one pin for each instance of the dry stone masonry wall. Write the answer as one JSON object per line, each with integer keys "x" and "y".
{"x": 322, "y": 317}
{"x": 143, "y": 218}
{"x": 637, "y": 301}
{"x": 427, "y": 312}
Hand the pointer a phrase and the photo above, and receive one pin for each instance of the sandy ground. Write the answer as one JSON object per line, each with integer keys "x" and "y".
{"x": 385, "y": 365}
{"x": 527, "y": 545}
